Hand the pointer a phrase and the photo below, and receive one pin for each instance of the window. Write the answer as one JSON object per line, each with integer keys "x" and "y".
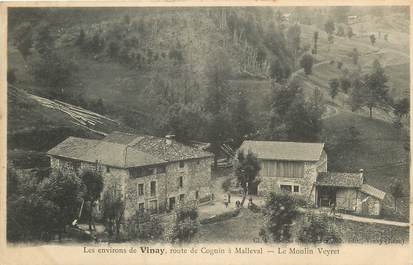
{"x": 181, "y": 164}
{"x": 153, "y": 188}
{"x": 137, "y": 172}
{"x": 196, "y": 195}
{"x": 290, "y": 188}
{"x": 286, "y": 188}
{"x": 180, "y": 182}
{"x": 107, "y": 169}
{"x": 140, "y": 189}
{"x": 160, "y": 169}
{"x": 141, "y": 207}
{"x": 171, "y": 203}
{"x": 153, "y": 205}
{"x": 181, "y": 197}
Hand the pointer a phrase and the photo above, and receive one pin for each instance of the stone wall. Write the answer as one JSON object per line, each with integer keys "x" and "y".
{"x": 196, "y": 175}
{"x": 306, "y": 183}
{"x": 372, "y": 206}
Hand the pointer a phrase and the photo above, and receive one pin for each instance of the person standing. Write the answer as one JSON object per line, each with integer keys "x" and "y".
{"x": 92, "y": 216}
{"x": 226, "y": 200}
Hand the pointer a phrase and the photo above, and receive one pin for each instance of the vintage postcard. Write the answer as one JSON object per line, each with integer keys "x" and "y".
{"x": 206, "y": 132}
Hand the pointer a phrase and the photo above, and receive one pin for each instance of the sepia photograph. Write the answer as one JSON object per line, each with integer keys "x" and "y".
{"x": 178, "y": 125}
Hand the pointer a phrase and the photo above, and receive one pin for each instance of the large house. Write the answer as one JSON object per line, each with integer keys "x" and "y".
{"x": 301, "y": 169}
{"x": 148, "y": 172}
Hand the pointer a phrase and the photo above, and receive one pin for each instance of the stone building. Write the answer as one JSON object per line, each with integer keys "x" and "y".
{"x": 150, "y": 173}
{"x": 301, "y": 169}
{"x": 288, "y": 166}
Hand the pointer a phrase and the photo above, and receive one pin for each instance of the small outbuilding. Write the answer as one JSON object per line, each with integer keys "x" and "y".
{"x": 348, "y": 192}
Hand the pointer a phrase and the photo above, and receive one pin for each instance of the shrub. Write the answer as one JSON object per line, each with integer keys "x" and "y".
{"x": 307, "y": 63}
{"x": 145, "y": 227}
{"x": 280, "y": 210}
{"x": 318, "y": 229}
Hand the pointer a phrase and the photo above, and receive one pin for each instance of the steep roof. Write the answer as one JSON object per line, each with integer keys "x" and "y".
{"x": 107, "y": 153}
{"x": 338, "y": 179}
{"x": 172, "y": 151}
{"x": 292, "y": 151}
{"x": 372, "y": 191}
{"x": 126, "y": 150}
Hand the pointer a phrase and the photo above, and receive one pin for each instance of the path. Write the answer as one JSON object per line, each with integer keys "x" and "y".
{"x": 359, "y": 218}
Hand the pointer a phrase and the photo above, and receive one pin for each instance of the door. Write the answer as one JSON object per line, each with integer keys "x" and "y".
{"x": 171, "y": 203}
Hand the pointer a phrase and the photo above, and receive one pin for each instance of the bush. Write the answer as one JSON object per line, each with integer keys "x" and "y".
{"x": 186, "y": 225}
{"x": 280, "y": 211}
{"x": 144, "y": 227}
{"x": 307, "y": 63}
{"x": 318, "y": 229}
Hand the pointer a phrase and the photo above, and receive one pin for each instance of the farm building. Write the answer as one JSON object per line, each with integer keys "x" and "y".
{"x": 149, "y": 173}
{"x": 301, "y": 169}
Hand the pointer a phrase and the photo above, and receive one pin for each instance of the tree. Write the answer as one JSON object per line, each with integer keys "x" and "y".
{"x": 303, "y": 119}
{"x": 93, "y": 182}
{"x": 241, "y": 119}
{"x": 216, "y": 101}
{"x": 345, "y": 84}
{"x": 81, "y": 38}
{"x": 350, "y": 32}
{"x": 293, "y": 40}
{"x": 23, "y": 39}
{"x": 372, "y": 39}
{"x": 113, "y": 209}
{"x": 402, "y": 107}
{"x": 279, "y": 72}
{"x": 185, "y": 121}
{"x": 376, "y": 88}
{"x": 54, "y": 72}
{"x": 65, "y": 190}
{"x": 246, "y": 171}
{"x": 43, "y": 41}
{"x": 307, "y": 63}
{"x": 315, "y": 38}
{"x": 334, "y": 86}
{"x": 113, "y": 49}
{"x": 318, "y": 229}
{"x": 355, "y": 56}
{"x": 280, "y": 211}
{"x": 371, "y": 89}
{"x": 329, "y": 26}
{"x": 396, "y": 190}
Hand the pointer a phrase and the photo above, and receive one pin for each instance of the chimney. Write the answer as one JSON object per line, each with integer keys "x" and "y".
{"x": 169, "y": 138}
